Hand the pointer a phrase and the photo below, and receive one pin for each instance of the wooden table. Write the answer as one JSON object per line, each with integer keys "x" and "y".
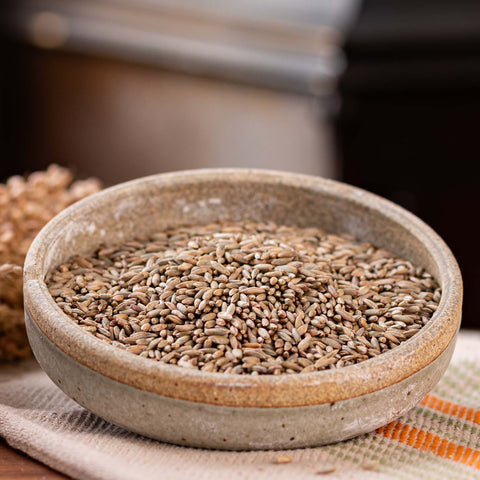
{"x": 15, "y": 465}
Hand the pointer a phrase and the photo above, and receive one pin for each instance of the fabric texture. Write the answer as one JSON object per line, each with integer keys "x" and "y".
{"x": 438, "y": 439}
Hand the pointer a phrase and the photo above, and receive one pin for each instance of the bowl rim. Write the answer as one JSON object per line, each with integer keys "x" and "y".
{"x": 263, "y": 391}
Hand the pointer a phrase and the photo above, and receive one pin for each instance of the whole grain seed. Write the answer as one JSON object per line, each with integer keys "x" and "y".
{"x": 370, "y": 465}
{"x": 324, "y": 470}
{"x": 247, "y": 298}
{"x": 283, "y": 459}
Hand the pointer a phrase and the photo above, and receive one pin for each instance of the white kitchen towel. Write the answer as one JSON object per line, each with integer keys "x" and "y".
{"x": 438, "y": 439}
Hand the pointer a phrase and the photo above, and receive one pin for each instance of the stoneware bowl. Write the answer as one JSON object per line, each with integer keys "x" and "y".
{"x": 215, "y": 410}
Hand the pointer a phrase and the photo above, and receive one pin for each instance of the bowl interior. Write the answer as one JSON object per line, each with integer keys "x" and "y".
{"x": 140, "y": 208}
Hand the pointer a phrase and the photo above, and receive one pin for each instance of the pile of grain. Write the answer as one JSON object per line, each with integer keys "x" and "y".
{"x": 247, "y": 298}
{"x": 26, "y": 205}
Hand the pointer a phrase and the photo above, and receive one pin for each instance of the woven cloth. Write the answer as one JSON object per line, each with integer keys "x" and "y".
{"x": 438, "y": 439}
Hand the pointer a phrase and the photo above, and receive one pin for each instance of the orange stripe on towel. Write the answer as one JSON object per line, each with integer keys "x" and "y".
{"x": 453, "y": 409}
{"x": 429, "y": 442}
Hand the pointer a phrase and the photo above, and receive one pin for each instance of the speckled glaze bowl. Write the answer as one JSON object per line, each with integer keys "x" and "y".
{"x": 215, "y": 410}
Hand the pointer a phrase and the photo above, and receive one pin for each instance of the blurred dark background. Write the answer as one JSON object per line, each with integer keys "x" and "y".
{"x": 382, "y": 94}
{"x": 408, "y": 128}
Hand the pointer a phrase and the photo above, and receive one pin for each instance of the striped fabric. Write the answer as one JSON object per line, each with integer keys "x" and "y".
{"x": 438, "y": 439}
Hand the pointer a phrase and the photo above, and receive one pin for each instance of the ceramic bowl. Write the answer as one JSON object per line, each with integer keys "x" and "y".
{"x": 215, "y": 410}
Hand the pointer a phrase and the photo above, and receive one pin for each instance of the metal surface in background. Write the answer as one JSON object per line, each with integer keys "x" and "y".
{"x": 294, "y": 46}
{"x": 121, "y": 89}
